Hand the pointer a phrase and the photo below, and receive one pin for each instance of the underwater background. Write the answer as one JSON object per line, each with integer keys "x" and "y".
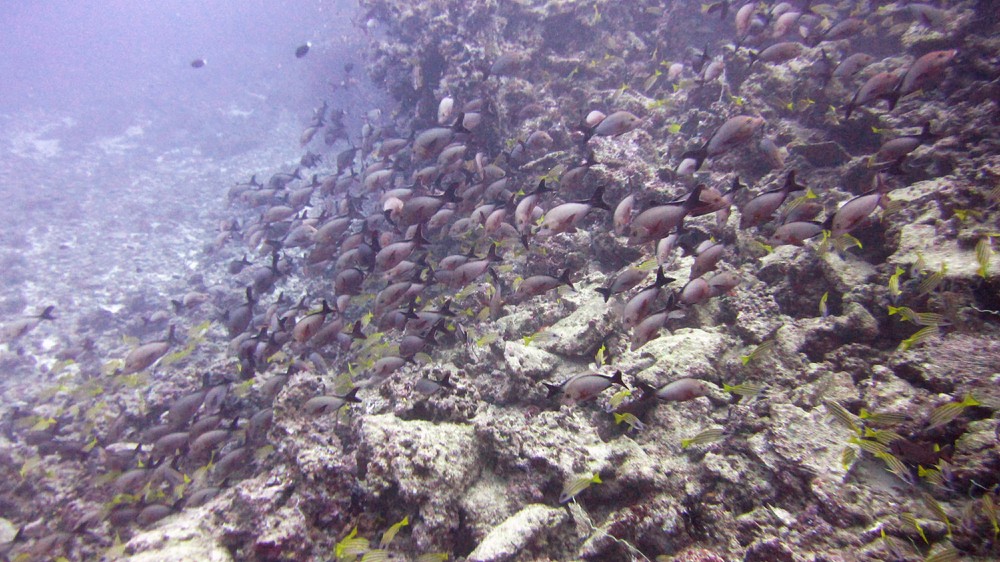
{"x": 500, "y": 280}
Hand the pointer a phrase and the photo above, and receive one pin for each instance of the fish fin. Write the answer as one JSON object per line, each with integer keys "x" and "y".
{"x": 606, "y": 293}
{"x": 564, "y": 279}
{"x": 352, "y": 396}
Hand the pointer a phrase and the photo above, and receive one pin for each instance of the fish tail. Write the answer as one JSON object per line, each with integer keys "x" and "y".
{"x": 352, "y": 396}
{"x": 564, "y": 279}
{"x": 47, "y": 313}
{"x": 554, "y": 389}
{"x": 893, "y": 98}
{"x": 418, "y": 237}
{"x": 492, "y": 254}
{"x": 694, "y": 199}
{"x": 356, "y": 332}
{"x": 597, "y": 199}
{"x": 646, "y": 388}
{"x": 617, "y": 379}
{"x": 458, "y": 127}
{"x": 606, "y": 293}
{"x": 698, "y": 155}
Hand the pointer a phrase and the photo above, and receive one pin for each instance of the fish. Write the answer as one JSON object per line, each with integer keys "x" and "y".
{"x": 198, "y": 63}
{"x": 648, "y": 329}
{"x": 585, "y": 386}
{"x": 565, "y": 217}
{"x": 302, "y": 50}
{"x": 795, "y": 233}
{"x": 682, "y": 390}
{"x": 658, "y": 221}
{"x": 538, "y": 284}
{"x": 777, "y": 53}
{"x": 705, "y": 436}
{"x": 894, "y": 149}
{"x": 879, "y": 86}
{"x": 857, "y": 209}
{"x": 622, "y": 216}
{"x": 428, "y": 386}
{"x": 707, "y": 258}
{"x": 920, "y": 74}
{"x": 638, "y": 306}
{"x": 696, "y": 290}
{"x": 16, "y": 330}
{"x": 852, "y": 64}
{"x": 322, "y": 405}
{"x": 743, "y": 19}
{"x": 506, "y": 64}
{"x": 734, "y": 132}
{"x": 143, "y": 357}
{"x": 430, "y": 143}
{"x": 311, "y": 324}
{"x": 945, "y": 413}
{"x": 577, "y": 485}
{"x": 763, "y": 206}
{"x": 722, "y": 283}
{"x": 625, "y": 281}
{"x": 524, "y": 210}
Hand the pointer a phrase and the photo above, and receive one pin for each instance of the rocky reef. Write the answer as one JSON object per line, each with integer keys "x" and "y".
{"x": 833, "y": 396}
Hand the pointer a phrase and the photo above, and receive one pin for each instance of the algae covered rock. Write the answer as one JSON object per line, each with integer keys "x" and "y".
{"x": 511, "y": 539}
{"x": 426, "y": 466}
{"x": 178, "y": 539}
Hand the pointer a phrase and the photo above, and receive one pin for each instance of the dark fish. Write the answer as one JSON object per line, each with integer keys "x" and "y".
{"x": 19, "y": 328}
{"x": 856, "y": 210}
{"x": 428, "y": 386}
{"x": 198, "y": 63}
{"x": 322, "y": 405}
{"x": 760, "y": 208}
{"x": 618, "y": 123}
{"x": 920, "y": 74}
{"x": 302, "y": 50}
{"x": 877, "y": 87}
{"x": 506, "y": 64}
{"x": 732, "y": 133}
{"x": 777, "y": 53}
{"x": 893, "y": 150}
{"x": 237, "y": 266}
{"x": 145, "y": 355}
{"x": 707, "y": 259}
{"x": 657, "y": 222}
{"x": 697, "y": 290}
{"x": 538, "y": 284}
{"x": 795, "y": 233}
{"x": 638, "y": 306}
{"x": 649, "y": 328}
{"x": 624, "y": 281}
{"x": 852, "y": 64}
{"x": 699, "y": 61}
{"x": 563, "y": 218}
{"x": 584, "y": 387}
{"x": 722, "y": 283}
